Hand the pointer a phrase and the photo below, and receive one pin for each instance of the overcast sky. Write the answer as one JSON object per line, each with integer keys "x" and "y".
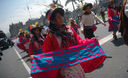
{"x": 16, "y": 10}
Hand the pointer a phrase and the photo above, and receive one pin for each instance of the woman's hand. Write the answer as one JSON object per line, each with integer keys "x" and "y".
{"x": 31, "y": 58}
{"x": 82, "y": 31}
{"x": 104, "y": 24}
{"x": 96, "y": 38}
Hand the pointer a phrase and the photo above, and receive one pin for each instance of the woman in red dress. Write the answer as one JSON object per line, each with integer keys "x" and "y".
{"x": 74, "y": 25}
{"x": 113, "y": 19}
{"x": 35, "y": 46}
{"x": 21, "y": 41}
{"x": 61, "y": 37}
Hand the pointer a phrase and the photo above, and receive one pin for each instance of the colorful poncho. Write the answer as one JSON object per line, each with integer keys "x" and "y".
{"x": 87, "y": 54}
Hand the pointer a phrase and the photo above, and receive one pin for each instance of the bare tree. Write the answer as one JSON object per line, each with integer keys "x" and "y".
{"x": 72, "y": 1}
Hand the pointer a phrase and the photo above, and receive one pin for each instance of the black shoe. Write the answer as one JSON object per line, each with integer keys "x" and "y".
{"x": 1, "y": 54}
{"x": 0, "y": 58}
{"x": 115, "y": 37}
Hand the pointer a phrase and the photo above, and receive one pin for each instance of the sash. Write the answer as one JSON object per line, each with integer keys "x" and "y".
{"x": 20, "y": 42}
{"x": 115, "y": 20}
{"x": 71, "y": 56}
{"x": 39, "y": 51}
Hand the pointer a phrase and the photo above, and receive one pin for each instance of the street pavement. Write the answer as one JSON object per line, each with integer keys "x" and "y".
{"x": 115, "y": 65}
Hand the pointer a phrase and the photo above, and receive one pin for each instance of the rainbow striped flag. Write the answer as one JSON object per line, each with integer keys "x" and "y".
{"x": 29, "y": 28}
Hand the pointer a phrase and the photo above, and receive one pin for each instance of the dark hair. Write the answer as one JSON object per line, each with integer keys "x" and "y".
{"x": 53, "y": 15}
{"x": 88, "y": 5}
{"x": 34, "y": 35}
{"x": 110, "y": 3}
{"x": 37, "y": 40}
{"x": 53, "y": 27}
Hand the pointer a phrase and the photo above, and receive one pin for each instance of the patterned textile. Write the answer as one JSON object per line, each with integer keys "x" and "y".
{"x": 82, "y": 53}
{"x": 115, "y": 22}
{"x": 73, "y": 72}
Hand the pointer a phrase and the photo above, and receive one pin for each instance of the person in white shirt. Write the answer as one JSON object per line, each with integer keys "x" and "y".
{"x": 88, "y": 21}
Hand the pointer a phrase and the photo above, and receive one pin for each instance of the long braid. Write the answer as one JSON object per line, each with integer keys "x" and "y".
{"x": 63, "y": 33}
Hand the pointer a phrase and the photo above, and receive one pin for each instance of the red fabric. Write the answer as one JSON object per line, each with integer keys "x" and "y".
{"x": 21, "y": 46}
{"x": 33, "y": 47}
{"x": 75, "y": 26}
{"x": 92, "y": 66}
{"x": 51, "y": 44}
{"x": 21, "y": 39}
{"x": 48, "y": 74}
{"x": 94, "y": 28}
{"x": 111, "y": 12}
{"x": 77, "y": 37}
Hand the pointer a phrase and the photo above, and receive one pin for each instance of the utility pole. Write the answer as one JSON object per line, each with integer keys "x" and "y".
{"x": 28, "y": 9}
{"x": 41, "y": 13}
{"x": 29, "y": 12}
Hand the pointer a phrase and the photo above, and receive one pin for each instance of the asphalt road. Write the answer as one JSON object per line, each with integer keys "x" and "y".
{"x": 115, "y": 66}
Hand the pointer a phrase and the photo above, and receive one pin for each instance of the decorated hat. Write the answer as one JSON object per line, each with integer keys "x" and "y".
{"x": 50, "y": 15}
{"x": 20, "y": 30}
{"x": 86, "y": 5}
{"x": 33, "y": 27}
{"x": 26, "y": 32}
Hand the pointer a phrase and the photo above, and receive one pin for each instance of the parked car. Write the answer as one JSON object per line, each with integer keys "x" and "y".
{"x": 3, "y": 41}
{"x": 10, "y": 43}
{"x": 1, "y": 54}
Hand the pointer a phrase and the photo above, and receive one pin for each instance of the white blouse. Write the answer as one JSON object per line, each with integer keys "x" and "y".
{"x": 89, "y": 20}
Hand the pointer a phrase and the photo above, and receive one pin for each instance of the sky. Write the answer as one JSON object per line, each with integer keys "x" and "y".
{"x": 16, "y": 10}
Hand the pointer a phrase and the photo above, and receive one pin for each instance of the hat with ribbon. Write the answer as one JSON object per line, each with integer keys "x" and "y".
{"x": 51, "y": 14}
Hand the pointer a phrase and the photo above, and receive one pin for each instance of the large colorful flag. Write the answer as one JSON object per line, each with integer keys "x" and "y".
{"x": 29, "y": 28}
{"x": 89, "y": 54}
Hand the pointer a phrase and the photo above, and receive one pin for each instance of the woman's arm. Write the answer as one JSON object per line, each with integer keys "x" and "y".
{"x": 82, "y": 23}
{"x": 98, "y": 19}
{"x": 47, "y": 45}
{"x": 30, "y": 51}
{"x": 76, "y": 36}
{"x": 109, "y": 12}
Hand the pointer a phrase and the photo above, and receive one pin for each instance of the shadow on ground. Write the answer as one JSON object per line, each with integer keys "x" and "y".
{"x": 118, "y": 42}
{"x": 107, "y": 57}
